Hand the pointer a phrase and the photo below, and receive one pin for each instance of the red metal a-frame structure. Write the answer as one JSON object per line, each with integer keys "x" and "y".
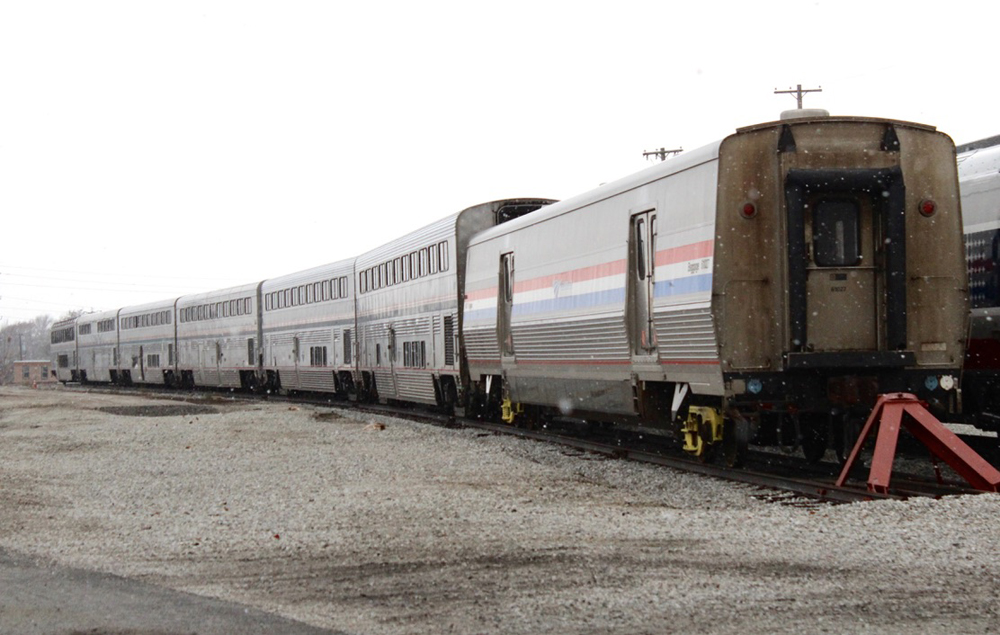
{"x": 894, "y": 410}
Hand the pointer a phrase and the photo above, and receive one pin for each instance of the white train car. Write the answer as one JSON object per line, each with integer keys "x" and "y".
{"x": 409, "y": 307}
{"x": 552, "y": 298}
{"x": 979, "y": 179}
{"x": 97, "y": 342}
{"x": 307, "y": 329}
{"x": 62, "y": 337}
{"x": 218, "y": 335}
{"x": 146, "y": 344}
{"x": 782, "y": 278}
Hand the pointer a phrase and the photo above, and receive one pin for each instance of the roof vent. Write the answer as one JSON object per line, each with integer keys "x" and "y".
{"x": 804, "y": 113}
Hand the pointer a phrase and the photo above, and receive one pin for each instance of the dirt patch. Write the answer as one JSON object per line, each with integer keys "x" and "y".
{"x": 158, "y": 411}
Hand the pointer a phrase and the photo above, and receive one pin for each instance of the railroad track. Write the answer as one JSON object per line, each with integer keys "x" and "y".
{"x": 785, "y": 475}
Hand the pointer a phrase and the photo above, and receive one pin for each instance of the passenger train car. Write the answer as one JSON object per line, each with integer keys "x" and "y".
{"x": 410, "y": 305}
{"x": 97, "y": 344}
{"x": 778, "y": 279}
{"x": 306, "y": 330}
{"x": 979, "y": 177}
{"x": 216, "y": 338}
{"x": 774, "y": 283}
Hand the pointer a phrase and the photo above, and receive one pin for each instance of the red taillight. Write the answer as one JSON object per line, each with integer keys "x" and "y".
{"x": 749, "y": 210}
{"x": 928, "y": 207}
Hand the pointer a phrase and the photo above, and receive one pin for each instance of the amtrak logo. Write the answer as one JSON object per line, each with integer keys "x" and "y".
{"x": 558, "y": 286}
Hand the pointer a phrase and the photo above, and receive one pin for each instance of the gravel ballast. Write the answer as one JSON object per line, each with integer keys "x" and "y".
{"x": 327, "y": 517}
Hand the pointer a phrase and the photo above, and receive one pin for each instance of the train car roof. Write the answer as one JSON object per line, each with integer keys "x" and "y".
{"x": 198, "y": 298}
{"x": 408, "y": 242}
{"x": 139, "y": 308}
{"x": 666, "y": 168}
{"x": 988, "y": 142}
{"x": 97, "y": 315}
{"x": 329, "y": 270}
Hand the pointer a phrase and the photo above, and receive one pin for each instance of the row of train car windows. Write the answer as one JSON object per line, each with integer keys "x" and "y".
{"x": 156, "y": 318}
{"x": 103, "y": 326}
{"x": 321, "y": 291}
{"x": 59, "y": 336}
{"x": 416, "y": 264}
{"x": 215, "y": 310}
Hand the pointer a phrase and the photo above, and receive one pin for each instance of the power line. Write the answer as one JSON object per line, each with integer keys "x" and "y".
{"x": 31, "y": 276}
{"x": 106, "y": 273}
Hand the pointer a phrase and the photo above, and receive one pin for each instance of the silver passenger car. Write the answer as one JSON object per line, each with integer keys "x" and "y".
{"x": 62, "y": 337}
{"x": 146, "y": 339}
{"x": 97, "y": 340}
{"x": 409, "y": 307}
{"x": 307, "y": 327}
{"x": 793, "y": 270}
{"x": 217, "y": 337}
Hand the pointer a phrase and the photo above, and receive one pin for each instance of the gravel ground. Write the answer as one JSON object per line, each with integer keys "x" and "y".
{"x": 323, "y": 517}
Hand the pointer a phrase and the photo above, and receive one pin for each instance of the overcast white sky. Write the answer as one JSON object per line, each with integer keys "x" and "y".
{"x": 153, "y": 149}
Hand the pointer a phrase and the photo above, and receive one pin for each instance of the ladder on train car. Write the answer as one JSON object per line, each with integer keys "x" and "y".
{"x": 896, "y": 410}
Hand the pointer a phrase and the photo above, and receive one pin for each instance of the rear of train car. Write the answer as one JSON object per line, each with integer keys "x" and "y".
{"x": 778, "y": 280}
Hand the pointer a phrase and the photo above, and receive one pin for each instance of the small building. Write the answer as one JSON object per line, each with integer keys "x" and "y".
{"x": 33, "y": 371}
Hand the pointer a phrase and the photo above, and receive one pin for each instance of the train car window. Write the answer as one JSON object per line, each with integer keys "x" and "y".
{"x": 167, "y": 315}
{"x": 267, "y": 302}
{"x": 247, "y": 306}
{"x": 837, "y": 233}
{"x": 443, "y": 251}
{"x": 414, "y": 265}
{"x": 310, "y": 298}
{"x": 226, "y": 306}
{"x": 433, "y": 257}
{"x": 343, "y": 286}
{"x": 397, "y": 266}
{"x": 423, "y": 262}
{"x": 640, "y": 248}
{"x": 200, "y": 313}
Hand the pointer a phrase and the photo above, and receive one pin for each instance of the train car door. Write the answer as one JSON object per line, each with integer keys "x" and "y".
{"x": 505, "y": 305}
{"x": 642, "y": 264}
{"x": 841, "y": 284}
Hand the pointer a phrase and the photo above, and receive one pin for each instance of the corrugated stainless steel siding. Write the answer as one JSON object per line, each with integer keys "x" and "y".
{"x": 687, "y": 334}
{"x": 597, "y": 338}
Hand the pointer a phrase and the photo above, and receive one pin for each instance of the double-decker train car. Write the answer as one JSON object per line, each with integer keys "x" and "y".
{"x": 217, "y": 336}
{"x": 146, "y": 344}
{"x": 62, "y": 337}
{"x": 409, "y": 307}
{"x": 307, "y": 324}
{"x": 779, "y": 280}
{"x": 979, "y": 178}
{"x": 97, "y": 344}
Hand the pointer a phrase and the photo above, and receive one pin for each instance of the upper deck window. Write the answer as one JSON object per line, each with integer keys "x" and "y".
{"x": 837, "y": 233}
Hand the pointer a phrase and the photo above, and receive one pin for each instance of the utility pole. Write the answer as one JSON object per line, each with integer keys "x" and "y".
{"x": 662, "y": 153}
{"x": 798, "y": 92}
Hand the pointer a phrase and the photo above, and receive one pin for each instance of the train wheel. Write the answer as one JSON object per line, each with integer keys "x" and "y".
{"x": 736, "y": 441}
{"x": 813, "y": 430}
